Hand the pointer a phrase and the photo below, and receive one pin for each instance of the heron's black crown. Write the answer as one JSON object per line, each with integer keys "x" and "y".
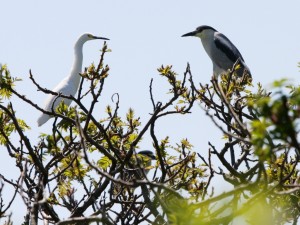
{"x": 204, "y": 27}
{"x": 147, "y": 153}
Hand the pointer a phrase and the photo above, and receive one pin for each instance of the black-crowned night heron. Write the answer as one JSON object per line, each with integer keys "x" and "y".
{"x": 69, "y": 85}
{"x": 139, "y": 168}
{"x": 221, "y": 51}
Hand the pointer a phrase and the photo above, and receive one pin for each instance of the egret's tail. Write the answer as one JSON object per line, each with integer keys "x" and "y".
{"x": 43, "y": 119}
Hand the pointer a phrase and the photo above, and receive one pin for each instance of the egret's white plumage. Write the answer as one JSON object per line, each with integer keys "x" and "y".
{"x": 69, "y": 85}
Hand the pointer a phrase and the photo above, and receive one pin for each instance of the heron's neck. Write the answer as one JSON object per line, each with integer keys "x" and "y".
{"x": 77, "y": 65}
{"x": 207, "y": 41}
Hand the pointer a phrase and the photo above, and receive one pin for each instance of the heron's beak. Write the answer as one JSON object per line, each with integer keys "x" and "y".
{"x": 103, "y": 38}
{"x": 193, "y": 33}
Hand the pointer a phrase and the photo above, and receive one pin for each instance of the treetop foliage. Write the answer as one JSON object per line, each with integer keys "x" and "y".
{"x": 77, "y": 165}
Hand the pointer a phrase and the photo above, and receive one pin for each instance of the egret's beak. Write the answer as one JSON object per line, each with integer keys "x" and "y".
{"x": 103, "y": 38}
{"x": 193, "y": 33}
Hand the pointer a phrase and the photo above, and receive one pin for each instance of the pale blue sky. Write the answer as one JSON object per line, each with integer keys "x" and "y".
{"x": 40, "y": 35}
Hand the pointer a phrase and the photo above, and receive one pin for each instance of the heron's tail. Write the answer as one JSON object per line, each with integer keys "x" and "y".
{"x": 245, "y": 70}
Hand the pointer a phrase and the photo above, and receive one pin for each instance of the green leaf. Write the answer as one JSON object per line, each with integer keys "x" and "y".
{"x": 104, "y": 162}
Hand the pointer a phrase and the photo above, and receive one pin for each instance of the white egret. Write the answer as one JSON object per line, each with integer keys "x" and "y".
{"x": 69, "y": 85}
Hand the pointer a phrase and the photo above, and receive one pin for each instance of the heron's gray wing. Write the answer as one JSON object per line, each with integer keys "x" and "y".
{"x": 226, "y": 46}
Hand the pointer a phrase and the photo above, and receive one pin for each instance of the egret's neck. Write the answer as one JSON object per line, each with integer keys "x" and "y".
{"x": 77, "y": 65}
